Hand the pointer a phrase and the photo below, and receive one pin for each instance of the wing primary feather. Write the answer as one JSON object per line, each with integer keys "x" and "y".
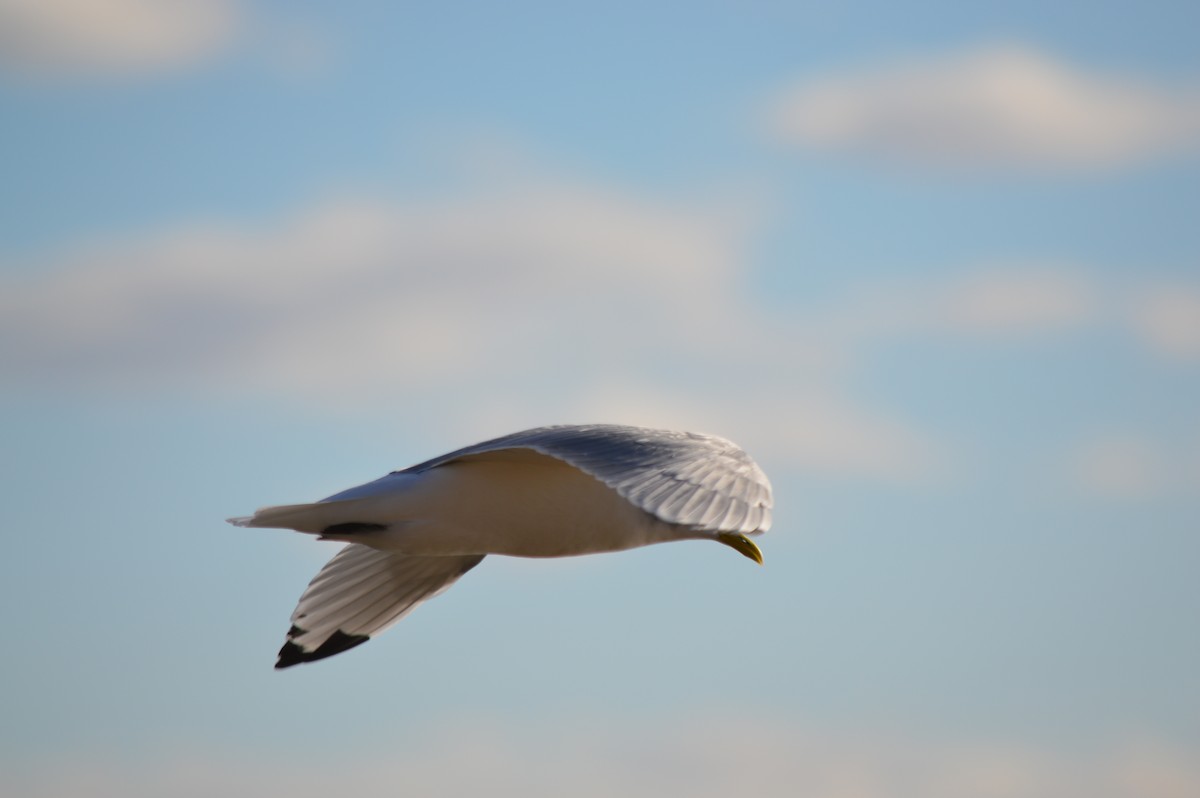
{"x": 293, "y": 654}
{"x": 359, "y": 593}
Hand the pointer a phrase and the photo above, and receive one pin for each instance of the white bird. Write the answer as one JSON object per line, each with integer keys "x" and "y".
{"x": 547, "y": 492}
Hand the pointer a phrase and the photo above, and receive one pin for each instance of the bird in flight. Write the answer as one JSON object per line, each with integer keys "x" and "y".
{"x": 548, "y": 492}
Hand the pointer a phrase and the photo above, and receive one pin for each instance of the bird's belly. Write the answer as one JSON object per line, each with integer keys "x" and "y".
{"x": 528, "y": 505}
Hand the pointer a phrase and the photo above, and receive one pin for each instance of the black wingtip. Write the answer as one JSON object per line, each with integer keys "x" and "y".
{"x": 292, "y": 654}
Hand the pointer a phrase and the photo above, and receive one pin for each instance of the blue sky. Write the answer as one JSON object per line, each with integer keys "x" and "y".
{"x": 935, "y": 266}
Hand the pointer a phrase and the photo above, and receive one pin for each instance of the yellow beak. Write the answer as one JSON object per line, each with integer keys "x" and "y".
{"x": 742, "y": 544}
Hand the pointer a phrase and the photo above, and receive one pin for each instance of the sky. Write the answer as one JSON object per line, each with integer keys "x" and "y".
{"x": 934, "y": 265}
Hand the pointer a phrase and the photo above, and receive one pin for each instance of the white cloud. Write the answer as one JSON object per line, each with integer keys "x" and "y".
{"x": 1168, "y": 320}
{"x": 701, "y": 756}
{"x": 550, "y": 302}
{"x": 362, "y": 296}
{"x": 997, "y": 107}
{"x": 492, "y": 311}
{"x": 82, "y": 37}
{"x": 811, "y": 428}
{"x": 1122, "y": 467}
{"x": 1127, "y": 466}
{"x": 1018, "y": 301}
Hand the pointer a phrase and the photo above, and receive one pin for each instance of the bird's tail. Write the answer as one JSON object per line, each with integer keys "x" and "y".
{"x": 312, "y": 518}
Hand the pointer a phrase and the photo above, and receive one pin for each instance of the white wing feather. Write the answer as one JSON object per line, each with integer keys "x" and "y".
{"x": 360, "y": 593}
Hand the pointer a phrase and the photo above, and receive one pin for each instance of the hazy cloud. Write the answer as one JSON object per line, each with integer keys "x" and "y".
{"x": 1168, "y": 320}
{"x": 557, "y": 301}
{"x": 1015, "y": 301}
{"x": 551, "y": 303}
{"x": 1018, "y": 301}
{"x": 82, "y": 37}
{"x": 812, "y": 428}
{"x": 992, "y": 108}
{"x": 1122, "y": 467}
{"x": 704, "y": 756}
{"x": 1127, "y": 466}
{"x": 362, "y": 295}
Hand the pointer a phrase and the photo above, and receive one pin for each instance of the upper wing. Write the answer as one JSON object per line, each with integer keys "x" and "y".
{"x": 681, "y": 477}
{"x": 361, "y": 592}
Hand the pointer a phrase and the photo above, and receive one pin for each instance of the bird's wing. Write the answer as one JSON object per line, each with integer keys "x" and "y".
{"x": 361, "y": 592}
{"x": 685, "y": 478}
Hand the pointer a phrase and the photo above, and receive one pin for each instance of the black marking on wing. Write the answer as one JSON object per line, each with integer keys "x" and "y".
{"x": 360, "y": 593}
{"x": 292, "y": 654}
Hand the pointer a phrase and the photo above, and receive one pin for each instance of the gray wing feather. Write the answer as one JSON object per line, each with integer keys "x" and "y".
{"x": 686, "y": 478}
{"x": 362, "y": 591}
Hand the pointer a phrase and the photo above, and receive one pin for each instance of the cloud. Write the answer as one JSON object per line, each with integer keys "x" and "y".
{"x": 994, "y": 108}
{"x": 1168, "y": 320}
{"x": 490, "y": 310}
{"x": 1005, "y": 302}
{"x": 531, "y": 301}
{"x": 701, "y": 756}
{"x": 1122, "y": 467}
{"x": 1018, "y": 301}
{"x": 361, "y": 295}
{"x": 1127, "y": 466}
{"x": 814, "y": 428}
{"x": 86, "y": 37}
{"x": 506, "y": 307}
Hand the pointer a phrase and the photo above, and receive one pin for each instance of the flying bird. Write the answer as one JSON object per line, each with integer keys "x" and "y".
{"x": 553, "y": 491}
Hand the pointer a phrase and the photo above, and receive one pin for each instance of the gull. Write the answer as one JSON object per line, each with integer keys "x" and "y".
{"x": 555, "y": 491}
